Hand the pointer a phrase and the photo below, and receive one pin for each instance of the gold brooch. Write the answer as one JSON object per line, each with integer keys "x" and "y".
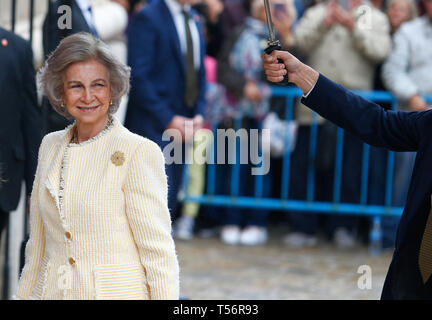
{"x": 118, "y": 158}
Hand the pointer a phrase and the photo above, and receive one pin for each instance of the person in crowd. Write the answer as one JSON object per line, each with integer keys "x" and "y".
{"x": 186, "y": 224}
{"x": 421, "y": 7}
{"x": 300, "y": 6}
{"x": 409, "y": 274}
{"x": 398, "y": 12}
{"x": 194, "y": 185}
{"x": 237, "y": 11}
{"x": 134, "y": 6}
{"x": 234, "y": 15}
{"x": 240, "y": 72}
{"x": 309, "y": 3}
{"x": 20, "y": 123}
{"x": 379, "y": 4}
{"x": 113, "y": 34}
{"x": 406, "y": 73}
{"x": 131, "y": 6}
{"x": 166, "y": 49}
{"x": 337, "y": 42}
{"x": 99, "y": 222}
{"x": 210, "y": 11}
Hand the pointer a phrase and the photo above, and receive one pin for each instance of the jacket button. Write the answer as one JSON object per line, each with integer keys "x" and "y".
{"x": 68, "y": 235}
{"x": 71, "y": 261}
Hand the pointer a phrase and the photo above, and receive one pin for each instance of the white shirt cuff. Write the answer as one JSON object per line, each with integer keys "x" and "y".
{"x": 307, "y": 94}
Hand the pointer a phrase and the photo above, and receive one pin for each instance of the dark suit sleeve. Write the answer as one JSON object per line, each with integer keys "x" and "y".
{"x": 394, "y": 130}
{"x": 142, "y": 51}
{"x": 31, "y": 121}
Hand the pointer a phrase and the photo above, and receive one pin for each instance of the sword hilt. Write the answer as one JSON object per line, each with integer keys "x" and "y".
{"x": 276, "y": 46}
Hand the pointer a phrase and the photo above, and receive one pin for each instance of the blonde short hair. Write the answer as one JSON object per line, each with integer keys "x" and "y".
{"x": 412, "y": 6}
{"x": 81, "y": 47}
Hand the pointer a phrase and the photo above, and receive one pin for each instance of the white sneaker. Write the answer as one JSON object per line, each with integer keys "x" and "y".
{"x": 230, "y": 235}
{"x": 343, "y": 239}
{"x": 183, "y": 228}
{"x": 298, "y": 240}
{"x": 253, "y": 236}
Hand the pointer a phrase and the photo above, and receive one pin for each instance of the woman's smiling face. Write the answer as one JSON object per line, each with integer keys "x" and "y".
{"x": 87, "y": 91}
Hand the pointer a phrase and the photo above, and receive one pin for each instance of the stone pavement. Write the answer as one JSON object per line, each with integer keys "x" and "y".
{"x": 211, "y": 270}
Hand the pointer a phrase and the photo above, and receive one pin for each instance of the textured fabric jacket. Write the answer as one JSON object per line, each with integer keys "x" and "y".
{"x": 407, "y": 71}
{"x": 344, "y": 57}
{"x": 100, "y": 225}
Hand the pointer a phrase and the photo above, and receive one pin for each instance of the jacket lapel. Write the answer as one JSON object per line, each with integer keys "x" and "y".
{"x": 79, "y": 22}
{"x": 54, "y": 165}
{"x": 172, "y": 32}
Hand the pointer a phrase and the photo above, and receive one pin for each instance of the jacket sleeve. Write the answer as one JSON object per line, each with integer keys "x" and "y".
{"x": 394, "y": 130}
{"x": 371, "y": 34}
{"x": 142, "y": 50}
{"x": 35, "y": 247}
{"x": 147, "y": 211}
{"x": 394, "y": 70}
{"x": 201, "y": 100}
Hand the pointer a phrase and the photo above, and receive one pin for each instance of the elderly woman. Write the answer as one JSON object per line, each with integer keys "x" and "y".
{"x": 100, "y": 226}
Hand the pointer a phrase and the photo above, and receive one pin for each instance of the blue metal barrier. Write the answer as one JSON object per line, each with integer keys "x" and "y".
{"x": 309, "y": 205}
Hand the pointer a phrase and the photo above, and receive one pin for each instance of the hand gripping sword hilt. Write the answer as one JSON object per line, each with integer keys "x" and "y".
{"x": 275, "y": 45}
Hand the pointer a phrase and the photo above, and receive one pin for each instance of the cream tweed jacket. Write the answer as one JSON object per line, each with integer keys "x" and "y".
{"x": 100, "y": 227}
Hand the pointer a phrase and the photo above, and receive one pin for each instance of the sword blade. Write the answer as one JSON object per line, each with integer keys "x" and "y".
{"x": 269, "y": 21}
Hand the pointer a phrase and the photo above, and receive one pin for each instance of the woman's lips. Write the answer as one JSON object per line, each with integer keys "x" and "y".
{"x": 88, "y": 109}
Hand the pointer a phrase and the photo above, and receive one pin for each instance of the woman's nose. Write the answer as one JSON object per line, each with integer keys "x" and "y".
{"x": 87, "y": 96}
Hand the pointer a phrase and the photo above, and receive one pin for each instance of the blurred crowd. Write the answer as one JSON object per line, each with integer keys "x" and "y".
{"x": 361, "y": 44}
